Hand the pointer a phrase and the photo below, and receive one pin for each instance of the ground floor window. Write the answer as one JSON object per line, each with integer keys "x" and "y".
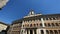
{"x": 42, "y": 32}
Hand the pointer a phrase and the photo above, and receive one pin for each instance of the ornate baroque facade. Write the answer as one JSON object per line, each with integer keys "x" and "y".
{"x": 37, "y": 24}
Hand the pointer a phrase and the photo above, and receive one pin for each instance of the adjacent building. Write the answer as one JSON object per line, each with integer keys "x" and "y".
{"x": 36, "y": 24}
{"x": 15, "y": 27}
{"x": 3, "y": 28}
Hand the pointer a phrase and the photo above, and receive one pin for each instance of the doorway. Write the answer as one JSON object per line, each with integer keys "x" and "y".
{"x": 31, "y": 32}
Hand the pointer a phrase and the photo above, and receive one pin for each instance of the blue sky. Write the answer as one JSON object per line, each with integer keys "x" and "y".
{"x": 16, "y": 9}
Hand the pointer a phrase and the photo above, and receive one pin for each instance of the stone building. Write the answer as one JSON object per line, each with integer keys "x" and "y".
{"x": 3, "y": 28}
{"x": 15, "y": 27}
{"x": 38, "y": 24}
{"x": 41, "y": 24}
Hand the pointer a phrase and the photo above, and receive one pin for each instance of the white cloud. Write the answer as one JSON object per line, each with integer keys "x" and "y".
{"x": 3, "y": 3}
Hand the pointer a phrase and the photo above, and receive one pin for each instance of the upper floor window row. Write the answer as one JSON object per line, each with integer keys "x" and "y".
{"x": 52, "y": 18}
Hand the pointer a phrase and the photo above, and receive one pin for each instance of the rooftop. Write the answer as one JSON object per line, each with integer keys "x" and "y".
{"x": 31, "y": 14}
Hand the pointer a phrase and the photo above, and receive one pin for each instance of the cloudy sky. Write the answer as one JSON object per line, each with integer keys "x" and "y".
{"x": 16, "y": 9}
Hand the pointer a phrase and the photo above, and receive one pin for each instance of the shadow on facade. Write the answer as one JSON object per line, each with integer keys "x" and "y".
{"x": 3, "y": 32}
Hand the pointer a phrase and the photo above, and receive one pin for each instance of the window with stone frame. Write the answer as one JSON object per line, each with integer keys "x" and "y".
{"x": 55, "y": 31}
{"x": 52, "y": 24}
{"x": 57, "y": 24}
{"x": 39, "y": 19}
{"x": 40, "y": 24}
{"x": 59, "y": 31}
{"x": 49, "y": 24}
{"x": 30, "y": 25}
{"x": 50, "y": 18}
{"x": 23, "y": 25}
{"x": 44, "y": 18}
{"x": 37, "y": 24}
{"x": 54, "y": 18}
{"x": 42, "y": 32}
{"x": 34, "y": 25}
{"x": 51, "y": 31}
{"x": 45, "y": 24}
{"x": 47, "y": 32}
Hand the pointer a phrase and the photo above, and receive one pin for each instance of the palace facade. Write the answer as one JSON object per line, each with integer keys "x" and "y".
{"x": 36, "y": 24}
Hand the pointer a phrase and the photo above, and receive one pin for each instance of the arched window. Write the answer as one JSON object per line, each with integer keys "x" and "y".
{"x": 56, "y": 24}
{"x": 41, "y": 24}
{"x": 47, "y": 32}
{"x": 55, "y": 31}
{"x": 49, "y": 24}
{"x": 34, "y": 25}
{"x": 52, "y": 24}
{"x": 39, "y": 19}
{"x": 51, "y": 32}
{"x": 54, "y": 19}
{"x": 59, "y": 31}
{"x": 30, "y": 25}
{"x": 50, "y": 18}
{"x": 45, "y": 24}
{"x": 23, "y": 25}
{"x": 37, "y": 24}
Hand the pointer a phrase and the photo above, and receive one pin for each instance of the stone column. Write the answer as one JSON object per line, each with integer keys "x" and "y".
{"x": 37, "y": 32}
{"x": 42, "y": 22}
{"x": 49, "y": 31}
{"x": 53, "y": 32}
{"x": 26, "y": 31}
{"x": 57, "y": 31}
{"x": 33, "y": 32}
{"x": 44, "y": 31}
{"x": 40, "y": 32}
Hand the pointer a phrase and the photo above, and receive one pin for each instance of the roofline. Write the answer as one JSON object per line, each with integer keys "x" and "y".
{"x": 4, "y": 23}
{"x": 20, "y": 20}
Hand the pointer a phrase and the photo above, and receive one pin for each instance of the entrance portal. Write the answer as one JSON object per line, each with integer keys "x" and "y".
{"x": 31, "y": 31}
